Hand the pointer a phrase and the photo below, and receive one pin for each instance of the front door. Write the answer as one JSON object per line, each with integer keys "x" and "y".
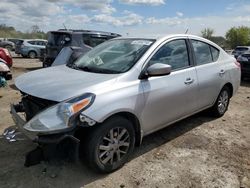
{"x": 170, "y": 97}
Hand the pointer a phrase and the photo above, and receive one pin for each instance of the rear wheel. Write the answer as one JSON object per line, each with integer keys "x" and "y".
{"x": 8, "y": 47}
{"x": 110, "y": 145}
{"x": 222, "y": 102}
{"x": 45, "y": 65}
{"x": 32, "y": 54}
{"x": 242, "y": 77}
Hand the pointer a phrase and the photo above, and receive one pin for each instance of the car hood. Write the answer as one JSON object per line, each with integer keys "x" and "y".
{"x": 61, "y": 82}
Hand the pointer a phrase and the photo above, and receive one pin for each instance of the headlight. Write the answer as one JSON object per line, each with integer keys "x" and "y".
{"x": 59, "y": 117}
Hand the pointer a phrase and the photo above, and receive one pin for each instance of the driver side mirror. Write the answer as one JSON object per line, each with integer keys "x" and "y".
{"x": 158, "y": 69}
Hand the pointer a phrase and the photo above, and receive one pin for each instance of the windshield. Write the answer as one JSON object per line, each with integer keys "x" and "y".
{"x": 114, "y": 56}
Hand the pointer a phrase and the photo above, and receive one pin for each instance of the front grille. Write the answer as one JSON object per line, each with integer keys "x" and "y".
{"x": 33, "y": 105}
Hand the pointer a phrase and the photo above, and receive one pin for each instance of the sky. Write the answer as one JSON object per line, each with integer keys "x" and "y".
{"x": 127, "y": 17}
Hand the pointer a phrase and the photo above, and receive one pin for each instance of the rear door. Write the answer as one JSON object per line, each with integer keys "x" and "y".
{"x": 170, "y": 97}
{"x": 210, "y": 72}
{"x": 18, "y": 46}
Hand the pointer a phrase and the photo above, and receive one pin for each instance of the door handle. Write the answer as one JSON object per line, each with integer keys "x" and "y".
{"x": 189, "y": 81}
{"x": 222, "y": 72}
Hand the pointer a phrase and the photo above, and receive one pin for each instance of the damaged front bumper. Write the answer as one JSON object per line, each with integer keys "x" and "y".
{"x": 51, "y": 146}
{"x": 40, "y": 139}
{"x": 14, "y": 109}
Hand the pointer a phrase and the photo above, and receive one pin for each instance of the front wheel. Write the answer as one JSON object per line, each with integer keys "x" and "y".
{"x": 222, "y": 102}
{"x": 32, "y": 55}
{"x": 110, "y": 145}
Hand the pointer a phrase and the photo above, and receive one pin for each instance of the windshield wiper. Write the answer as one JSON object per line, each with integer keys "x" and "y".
{"x": 98, "y": 70}
{"x": 73, "y": 66}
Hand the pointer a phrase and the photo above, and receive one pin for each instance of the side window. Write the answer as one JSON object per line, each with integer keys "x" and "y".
{"x": 173, "y": 53}
{"x": 32, "y": 42}
{"x": 41, "y": 43}
{"x": 202, "y": 52}
{"x": 215, "y": 53}
{"x": 86, "y": 39}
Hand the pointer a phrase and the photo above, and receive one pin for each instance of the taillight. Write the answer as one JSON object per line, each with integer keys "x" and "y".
{"x": 237, "y": 64}
{"x": 6, "y": 52}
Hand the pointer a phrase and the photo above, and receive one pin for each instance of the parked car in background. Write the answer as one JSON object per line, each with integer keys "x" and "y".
{"x": 123, "y": 90}
{"x": 244, "y": 60}
{"x": 32, "y": 47}
{"x": 78, "y": 38}
{"x": 7, "y": 44}
{"x": 5, "y": 73}
{"x": 18, "y": 46}
{"x": 15, "y": 41}
{"x": 69, "y": 54}
{"x": 5, "y": 55}
{"x": 240, "y": 50}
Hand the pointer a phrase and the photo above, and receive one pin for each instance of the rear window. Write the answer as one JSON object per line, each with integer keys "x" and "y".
{"x": 93, "y": 41}
{"x": 58, "y": 39}
{"x": 241, "y": 49}
{"x": 19, "y": 42}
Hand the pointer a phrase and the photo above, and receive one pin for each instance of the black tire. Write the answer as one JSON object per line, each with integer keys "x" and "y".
{"x": 8, "y": 47}
{"x": 222, "y": 102}
{"x": 242, "y": 77}
{"x": 32, "y": 54}
{"x": 45, "y": 65}
{"x": 100, "y": 137}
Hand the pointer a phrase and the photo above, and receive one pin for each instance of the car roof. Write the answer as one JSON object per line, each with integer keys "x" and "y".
{"x": 169, "y": 36}
{"x": 35, "y": 40}
{"x": 71, "y": 31}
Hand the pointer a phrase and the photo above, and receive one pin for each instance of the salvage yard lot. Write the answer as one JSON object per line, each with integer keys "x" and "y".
{"x": 197, "y": 152}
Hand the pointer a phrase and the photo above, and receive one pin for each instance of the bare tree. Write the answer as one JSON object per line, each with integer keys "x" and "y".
{"x": 207, "y": 33}
{"x": 35, "y": 29}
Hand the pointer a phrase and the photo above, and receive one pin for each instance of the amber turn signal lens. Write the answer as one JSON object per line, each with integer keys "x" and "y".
{"x": 80, "y": 105}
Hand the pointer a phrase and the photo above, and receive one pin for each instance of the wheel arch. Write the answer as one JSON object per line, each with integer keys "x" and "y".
{"x": 32, "y": 50}
{"x": 230, "y": 87}
{"x": 79, "y": 133}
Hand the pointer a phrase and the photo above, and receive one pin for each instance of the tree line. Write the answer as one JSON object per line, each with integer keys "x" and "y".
{"x": 33, "y": 33}
{"x": 235, "y": 36}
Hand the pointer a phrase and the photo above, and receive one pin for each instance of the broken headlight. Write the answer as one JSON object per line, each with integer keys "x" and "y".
{"x": 60, "y": 116}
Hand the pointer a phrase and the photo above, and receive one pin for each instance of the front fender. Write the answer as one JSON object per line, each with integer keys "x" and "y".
{"x": 125, "y": 99}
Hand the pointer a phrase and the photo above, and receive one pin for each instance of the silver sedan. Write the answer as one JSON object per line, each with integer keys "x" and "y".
{"x": 123, "y": 90}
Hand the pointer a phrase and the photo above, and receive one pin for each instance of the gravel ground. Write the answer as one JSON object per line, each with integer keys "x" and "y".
{"x": 197, "y": 152}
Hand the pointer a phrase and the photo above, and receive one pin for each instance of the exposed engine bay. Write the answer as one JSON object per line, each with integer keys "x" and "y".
{"x": 31, "y": 105}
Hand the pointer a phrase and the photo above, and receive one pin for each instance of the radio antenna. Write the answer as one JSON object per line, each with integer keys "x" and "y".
{"x": 64, "y": 26}
{"x": 186, "y": 31}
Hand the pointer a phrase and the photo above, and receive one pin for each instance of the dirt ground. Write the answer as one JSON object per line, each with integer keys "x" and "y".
{"x": 197, "y": 152}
